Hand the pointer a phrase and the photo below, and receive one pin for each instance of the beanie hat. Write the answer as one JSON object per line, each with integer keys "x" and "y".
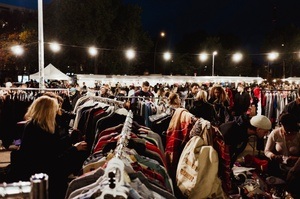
{"x": 261, "y": 121}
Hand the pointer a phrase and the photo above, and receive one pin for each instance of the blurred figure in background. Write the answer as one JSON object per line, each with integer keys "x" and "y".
{"x": 218, "y": 98}
{"x": 74, "y": 96}
{"x": 241, "y": 101}
{"x": 194, "y": 88}
{"x": 174, "y": 100}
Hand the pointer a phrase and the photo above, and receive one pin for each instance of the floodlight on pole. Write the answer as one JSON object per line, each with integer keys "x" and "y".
{"x": 17, "y": 50}
{"x": 93, "y": 51}
{"x": 213, "y": 63}
{"x": 237, "y": 57}
{"x": 203, "y": 56}
{"x": 130, "y": 54}
{"x": 167, "y": 56}
{"x": 162, "y": 35}
{"x": 55, "y": 47}
{"x": 271, "y": 57}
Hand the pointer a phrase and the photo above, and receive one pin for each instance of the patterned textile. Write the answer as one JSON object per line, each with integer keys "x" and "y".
{"x": 224, "y": 161}
{"x": 177, "y": 136}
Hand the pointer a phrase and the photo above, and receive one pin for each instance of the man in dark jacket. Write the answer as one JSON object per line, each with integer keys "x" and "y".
{"x": 241, "y": 101}
{"x": 194, "y": 88}
{"x": 143, "y": 92}
{"x": 74, "y": 96}
{"x": 237, "y": 132}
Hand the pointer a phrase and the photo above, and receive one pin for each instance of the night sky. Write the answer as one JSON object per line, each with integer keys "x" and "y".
{"x": 248, "y": 19}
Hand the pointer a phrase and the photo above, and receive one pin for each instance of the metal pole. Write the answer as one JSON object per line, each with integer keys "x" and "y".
{"x": 162, "y": 34}
{"x": 41, "y": 45}
{"x": 39, "y": 186}
{"x": 155, "y": 56}
{"x": 283, "y": 69}
{"x": 213, "y": 65}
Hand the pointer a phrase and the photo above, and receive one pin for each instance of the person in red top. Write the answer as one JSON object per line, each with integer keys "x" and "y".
{"x": 256, "y": 91}
{"x": 230, "y": 96}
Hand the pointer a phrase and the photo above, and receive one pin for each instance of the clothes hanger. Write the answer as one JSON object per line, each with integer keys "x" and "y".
{"x": 115, "y": 173}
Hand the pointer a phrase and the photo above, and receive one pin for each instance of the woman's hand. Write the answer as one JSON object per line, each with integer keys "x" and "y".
{"x": 277, "y": 158}
{"x": 81, "y": 146}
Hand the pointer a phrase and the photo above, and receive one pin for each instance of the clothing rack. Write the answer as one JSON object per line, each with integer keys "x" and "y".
{"x": 109, "y": 101}
{"x": 15, "y": 190}
{"x": 36, "y": 188}
{"x": 114, "y": 171}
{"x": 35, "y": 89}
{"x": 124, "y": 137}
{"x": 275, "y": 90}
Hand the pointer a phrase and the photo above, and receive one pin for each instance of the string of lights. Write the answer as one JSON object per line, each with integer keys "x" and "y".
{"x": 54, "y": 46}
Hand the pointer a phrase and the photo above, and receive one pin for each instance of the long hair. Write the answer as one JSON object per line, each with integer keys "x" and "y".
{"x": 174, "y": 99}
{"x": 201, "y": 95}
{"x": 222, "y": 97}
{"x": 42, "y": 112}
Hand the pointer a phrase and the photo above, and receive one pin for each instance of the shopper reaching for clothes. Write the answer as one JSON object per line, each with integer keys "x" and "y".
{"x": 42, "y": 150}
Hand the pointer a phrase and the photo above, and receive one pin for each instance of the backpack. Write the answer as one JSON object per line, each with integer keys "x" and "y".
{"x": 197, "y": 171}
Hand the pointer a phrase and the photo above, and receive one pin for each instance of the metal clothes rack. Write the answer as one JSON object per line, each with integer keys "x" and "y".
{"x": 36, "y": 188}
{"x": 114, "y": 171}
{"x": 35, "y": 89}
{"x": 15, "y": 190}
{"x": 109, "y": 101}
{"x": 124, "y": 137}
{"x": 276, "y": 90}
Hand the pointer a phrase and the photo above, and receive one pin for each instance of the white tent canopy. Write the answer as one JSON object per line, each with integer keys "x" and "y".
{"x": 50, "y": 72}
{"x": 90, "y": 79}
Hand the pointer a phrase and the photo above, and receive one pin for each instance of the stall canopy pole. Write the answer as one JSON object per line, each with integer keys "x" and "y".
{"x": 41, "y": 44}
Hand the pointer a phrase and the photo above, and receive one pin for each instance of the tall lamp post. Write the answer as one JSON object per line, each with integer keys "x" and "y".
{"x": 213, "y": 63}
{"x": 18, "y": 51}
{"x": 93, "y": 51}
{"x": 130, "y": 54}
{"x": 55, "y": 48}
{"x": 237, "y": 57}
{"x": 204, "y": 56}
{"x": 271, "y": 57}
{"x": 162, "y": 35}
{"x": 167, "y": 56}
{"x": 41, "y": 45}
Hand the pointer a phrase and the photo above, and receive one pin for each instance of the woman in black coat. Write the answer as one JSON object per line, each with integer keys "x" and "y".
{"x": 42, "y": 150}
{"x": 202, "y": 109}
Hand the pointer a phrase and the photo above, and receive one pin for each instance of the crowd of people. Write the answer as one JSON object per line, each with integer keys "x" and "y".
{"x": 234, "y": 111}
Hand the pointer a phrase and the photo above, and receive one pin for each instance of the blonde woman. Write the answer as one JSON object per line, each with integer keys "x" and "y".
{"x": 42, "y": 150}
{"x": 202, "y": 109}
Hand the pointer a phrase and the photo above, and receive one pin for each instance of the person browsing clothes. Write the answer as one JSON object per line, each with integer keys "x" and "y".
{"x": 41, "y": 149}
{"x": 237, "y": 132}
{"x": 283, "y": 144}
{"x": 144, "y": 92}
